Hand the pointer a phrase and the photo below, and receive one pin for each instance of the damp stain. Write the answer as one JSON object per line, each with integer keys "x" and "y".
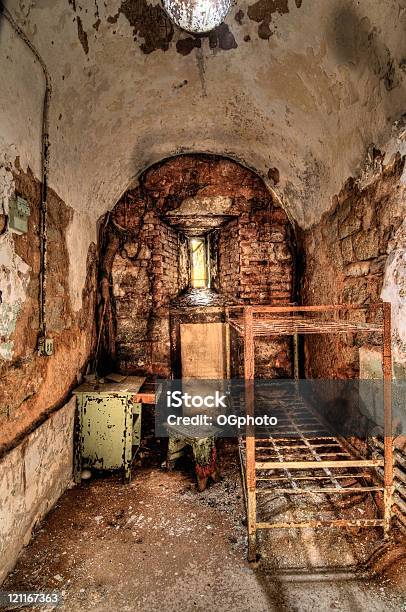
{"x": 222, "y": 38}
{"x": 149, "y": 22}
{"x": 273, "y": 175}
{"x": 262, "y": 12}
{"x": 239, "y": 16}
{"x": 184, "y": 46}
{"x": 219, "y": 38}
{"x": 82, "y": 35}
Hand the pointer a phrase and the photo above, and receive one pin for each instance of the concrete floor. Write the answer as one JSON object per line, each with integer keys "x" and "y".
{"x": 159, "y": 544}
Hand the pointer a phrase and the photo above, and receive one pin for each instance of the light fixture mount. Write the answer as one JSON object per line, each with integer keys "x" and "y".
{"x": 197, "y": 16}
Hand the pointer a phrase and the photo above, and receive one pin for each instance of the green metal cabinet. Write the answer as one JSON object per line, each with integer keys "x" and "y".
{"x": 108, "y": 425}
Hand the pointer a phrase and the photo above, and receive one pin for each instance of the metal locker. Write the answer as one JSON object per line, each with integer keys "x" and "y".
{"x": 108, "y": 425}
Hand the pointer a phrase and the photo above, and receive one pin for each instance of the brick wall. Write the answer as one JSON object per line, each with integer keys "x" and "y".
{"x": 150, "y": 265}
{"x": 255, "y": 253}
{"x": 256, "y": 266}
{"x": 145, "y": 276}
{"x": 229, "y": 260}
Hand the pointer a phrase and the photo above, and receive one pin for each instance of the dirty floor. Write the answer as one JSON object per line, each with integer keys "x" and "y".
{"x": 159, "y": 544}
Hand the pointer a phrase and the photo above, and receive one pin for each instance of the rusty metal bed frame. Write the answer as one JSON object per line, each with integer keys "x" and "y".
{"x": 310, "y": 453}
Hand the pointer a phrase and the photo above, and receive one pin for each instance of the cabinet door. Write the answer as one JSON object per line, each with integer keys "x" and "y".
{"x": 103, "y": 430}
{"x": 136, "y": 424}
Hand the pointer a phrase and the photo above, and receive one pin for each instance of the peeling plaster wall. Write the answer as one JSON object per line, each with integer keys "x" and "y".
{"x": 394, "y": 283}
{"x": 21, "y": 95}
{"x": 14, "y": 281}
{"x": 31, "y": 385}
{"x": 81, "y": 233}
{"x": 32, "y": 478}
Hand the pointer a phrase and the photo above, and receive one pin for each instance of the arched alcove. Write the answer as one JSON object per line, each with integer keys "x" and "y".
{"x": 146, "y": 257}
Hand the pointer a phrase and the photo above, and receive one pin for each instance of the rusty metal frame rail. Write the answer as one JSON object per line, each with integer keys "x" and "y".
{"x": 255, "y": 321}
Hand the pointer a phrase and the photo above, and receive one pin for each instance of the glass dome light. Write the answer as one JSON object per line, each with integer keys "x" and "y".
{"x": 197, "y": 16}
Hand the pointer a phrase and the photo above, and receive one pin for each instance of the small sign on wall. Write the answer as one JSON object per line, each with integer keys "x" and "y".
{"x": 19, "y": 212}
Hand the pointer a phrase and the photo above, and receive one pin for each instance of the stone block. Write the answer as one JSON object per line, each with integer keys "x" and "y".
{"x": 360, "y": 268}
{"x": 366, "y": 245}
{"x": 347, "y": 250}
{"x": 351, "y": 224}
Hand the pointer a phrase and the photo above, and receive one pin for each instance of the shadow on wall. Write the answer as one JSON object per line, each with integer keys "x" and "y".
{"x": 356, "y": 43}
{"x": 2, "y": 19}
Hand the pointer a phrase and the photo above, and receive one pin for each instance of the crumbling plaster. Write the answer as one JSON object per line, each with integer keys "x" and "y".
{"x": 14, "y": 279}
{"x": 21, "y": 93}
{"x": 394, "y": 284}
{"x": 296, "y": 101}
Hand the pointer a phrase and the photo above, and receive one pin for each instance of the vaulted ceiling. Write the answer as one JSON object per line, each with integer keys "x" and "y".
{"x": 295, "y": 89}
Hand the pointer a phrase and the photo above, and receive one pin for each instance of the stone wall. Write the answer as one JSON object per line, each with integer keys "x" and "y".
{"x": 347, "y": 255}
{"x": 146, "y": 260}
{"x": 229, "y": 260}
{"x": 32, "y": 478}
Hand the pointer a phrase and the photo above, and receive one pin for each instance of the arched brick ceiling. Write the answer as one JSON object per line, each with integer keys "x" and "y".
{"x": 300, "y": 86}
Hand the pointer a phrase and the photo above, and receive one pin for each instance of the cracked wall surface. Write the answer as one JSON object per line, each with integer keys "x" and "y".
{"x": 32, "y": 478}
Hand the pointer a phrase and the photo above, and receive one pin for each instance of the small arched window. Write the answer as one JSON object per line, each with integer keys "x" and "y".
{"x": 198, "y": 263}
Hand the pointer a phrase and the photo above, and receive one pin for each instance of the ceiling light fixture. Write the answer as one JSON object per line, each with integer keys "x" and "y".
{"x": 197, "y": 16}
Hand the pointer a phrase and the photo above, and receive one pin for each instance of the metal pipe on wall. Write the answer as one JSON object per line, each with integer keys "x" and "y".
{"x": 45, "y": 156}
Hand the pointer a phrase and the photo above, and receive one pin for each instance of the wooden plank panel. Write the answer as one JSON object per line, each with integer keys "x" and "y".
{"x": 204, "y": 350}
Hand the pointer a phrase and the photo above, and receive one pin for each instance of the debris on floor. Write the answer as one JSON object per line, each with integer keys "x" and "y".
{"x": 158, "y": 542}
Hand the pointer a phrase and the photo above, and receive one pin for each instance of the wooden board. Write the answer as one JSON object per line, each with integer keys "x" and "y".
{"x": 128, "y": 384}
{"x": 205, "y": 350}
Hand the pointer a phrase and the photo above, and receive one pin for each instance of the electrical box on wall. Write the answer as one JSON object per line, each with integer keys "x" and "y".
{"x": 19, "y": 212}
{"x": 45, "y": 346}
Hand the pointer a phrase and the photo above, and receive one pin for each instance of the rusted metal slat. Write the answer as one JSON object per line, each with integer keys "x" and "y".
{"x": 387, "y": 401}
{"x": 327, "y": 490}
{"x": 313, "y": 477}
{"x": 315, "y": 523}
{"x": 300, "y": 465}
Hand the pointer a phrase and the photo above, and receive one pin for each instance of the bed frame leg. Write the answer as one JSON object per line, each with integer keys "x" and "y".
{"x": 252, "y": 526}
{"x": 252, "y": 547}
{"x": 388, "y": 431}
{"x": 387, "y": 504}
